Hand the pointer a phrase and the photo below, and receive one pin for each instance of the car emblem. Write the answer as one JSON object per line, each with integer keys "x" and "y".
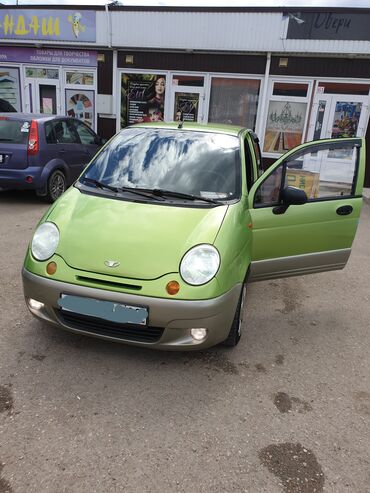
{"x": 111, "y": 263}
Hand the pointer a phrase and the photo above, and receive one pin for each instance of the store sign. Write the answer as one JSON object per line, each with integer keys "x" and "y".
{"x": 47, "y": 25}
{"x": 84, "y": 58}
{"x": 328, "y": 25}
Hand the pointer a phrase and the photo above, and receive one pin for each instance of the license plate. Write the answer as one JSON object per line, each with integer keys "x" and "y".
{"x": 106, "y": 310}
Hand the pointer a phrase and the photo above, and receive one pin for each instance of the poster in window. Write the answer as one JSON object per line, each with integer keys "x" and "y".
{"x": 142, "y": 98}
{"x": 47, "y": 106}
{"x": 9, "y": 87}
{"x": 80, "y": 78}
{"x": 186, "y": 104}
{"x": 284, "y": 126}
{"x": 346, "y": 118}
{"x": 319, "y": 120}
{"x": 80, "y": 104}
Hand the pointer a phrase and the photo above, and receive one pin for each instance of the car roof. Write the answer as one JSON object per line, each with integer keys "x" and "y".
{"x": 33, "y": 116}
{"x": 197, "y": 127}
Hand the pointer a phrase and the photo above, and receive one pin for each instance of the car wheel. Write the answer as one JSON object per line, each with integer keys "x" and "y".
{"x": 56, "y": 186}
{"x": 237, "y": 326}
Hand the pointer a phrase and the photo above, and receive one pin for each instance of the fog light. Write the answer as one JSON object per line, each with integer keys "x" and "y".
{"x": 29, "y": 179}
{"x": 198, "y": 334}
{"x": 34, "y": 304}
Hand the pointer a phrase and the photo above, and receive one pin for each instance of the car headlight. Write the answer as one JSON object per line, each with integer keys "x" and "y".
{"x": 200, "y": 264}
{"x": 45, "y": 241}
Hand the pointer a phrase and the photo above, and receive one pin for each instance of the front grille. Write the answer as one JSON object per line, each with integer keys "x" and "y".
{"x": 108, "y": 284}
{"x": 128, "y": 332}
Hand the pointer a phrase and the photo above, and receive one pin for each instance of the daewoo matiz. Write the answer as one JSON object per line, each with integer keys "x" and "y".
{"x": 155, "y": 242}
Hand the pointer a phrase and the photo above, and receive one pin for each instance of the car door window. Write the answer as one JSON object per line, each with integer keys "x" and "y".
{"x": 324, "y": 171}
{"x": 64, "y": 134}
{"x": 49, "y": 133}
{"x": 85, "y": 134}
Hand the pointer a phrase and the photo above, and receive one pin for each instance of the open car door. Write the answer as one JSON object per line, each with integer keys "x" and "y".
{"x": 292, "y": 236}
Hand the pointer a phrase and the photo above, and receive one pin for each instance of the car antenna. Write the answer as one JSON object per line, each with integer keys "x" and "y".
{"x": 181, "y": 119}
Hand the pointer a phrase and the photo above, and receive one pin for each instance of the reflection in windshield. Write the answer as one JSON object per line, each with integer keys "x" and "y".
{"x": 198, "y": 163}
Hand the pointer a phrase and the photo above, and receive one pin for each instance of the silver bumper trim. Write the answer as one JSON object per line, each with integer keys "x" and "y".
{"x": 177, "y": 317}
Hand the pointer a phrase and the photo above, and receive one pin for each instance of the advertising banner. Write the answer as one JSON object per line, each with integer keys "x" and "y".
{"x": 329, "y": 25}
{"x": 80, "y": 104}
{"x": 48, "y": 25}
{"x": 186, "y": 106}
{"x": 54, "y": 56}
{"x": 142, "y": 98}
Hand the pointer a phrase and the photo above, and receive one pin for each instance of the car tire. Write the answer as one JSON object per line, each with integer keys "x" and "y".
{"x": 236, "y": 327}
{"x": 56, "y": 186}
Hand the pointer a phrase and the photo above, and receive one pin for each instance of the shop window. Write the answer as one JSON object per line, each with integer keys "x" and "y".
{"x": 286, "y": 117}
{"x": 80, "y": 78}
{"x": 289, "y": 89}
{"x": 340, "y": 88}
{"x": 10, "y": 87}
{"x": 188, "y": 80}
{"x": 234, "y": 101}
{"x": 142, "y": 98}
{"x": 42, "y": 73}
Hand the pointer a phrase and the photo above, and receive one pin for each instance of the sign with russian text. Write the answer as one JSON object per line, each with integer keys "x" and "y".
{"x": 48, "y": 56}
{"x": 329, "y": 25}
{"x": 47, "y": 25}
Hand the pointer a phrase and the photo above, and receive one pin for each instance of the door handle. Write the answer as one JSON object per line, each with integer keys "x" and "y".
{"x": 344, "y": 210}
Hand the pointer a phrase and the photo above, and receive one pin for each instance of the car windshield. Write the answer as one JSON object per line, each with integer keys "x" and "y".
{"x": 14, "y": 131}
{"x": 202, "y": 164}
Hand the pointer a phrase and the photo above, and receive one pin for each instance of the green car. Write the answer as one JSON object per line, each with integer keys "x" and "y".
{"x": 155, "y": 242}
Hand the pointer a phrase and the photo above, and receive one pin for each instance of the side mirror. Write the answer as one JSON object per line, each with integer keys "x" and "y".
{"x": 290, "y": 196}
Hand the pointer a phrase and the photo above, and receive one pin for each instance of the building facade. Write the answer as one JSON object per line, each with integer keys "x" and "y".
{"x": 292, "y": 75}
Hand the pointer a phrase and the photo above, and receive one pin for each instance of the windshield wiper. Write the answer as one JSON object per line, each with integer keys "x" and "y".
{"x": 161, "y": 192}
{"x": 100, "y": 184}
{"x": 138, "y": 191}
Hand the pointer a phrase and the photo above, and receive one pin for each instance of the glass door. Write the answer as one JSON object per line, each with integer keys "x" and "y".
{"x": 43, "y": 95}
{"x": 338, "y": 116}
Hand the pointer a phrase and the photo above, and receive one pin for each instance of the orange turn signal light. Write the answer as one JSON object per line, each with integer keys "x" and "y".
{"x": 173, "y": 287}
{"x": 51, "y": 268}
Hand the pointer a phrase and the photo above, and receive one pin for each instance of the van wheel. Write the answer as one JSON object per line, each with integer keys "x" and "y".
{"x": 236, "y": 327}
{"x": 56, "y": 186}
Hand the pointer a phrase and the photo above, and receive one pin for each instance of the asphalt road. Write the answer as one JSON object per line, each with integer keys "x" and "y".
{"x": 287, "y": 410}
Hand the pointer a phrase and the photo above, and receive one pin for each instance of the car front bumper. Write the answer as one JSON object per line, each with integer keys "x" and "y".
{"x": 173, "y": 319}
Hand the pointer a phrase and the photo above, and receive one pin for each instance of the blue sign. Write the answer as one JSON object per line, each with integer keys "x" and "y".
{"x": 48, "y": 25}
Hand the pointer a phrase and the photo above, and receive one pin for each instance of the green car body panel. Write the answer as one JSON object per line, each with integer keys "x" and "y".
{"x": 150, "y": 239}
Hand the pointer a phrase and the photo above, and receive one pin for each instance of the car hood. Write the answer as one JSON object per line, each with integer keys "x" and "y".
{"x": 147, "y": 240}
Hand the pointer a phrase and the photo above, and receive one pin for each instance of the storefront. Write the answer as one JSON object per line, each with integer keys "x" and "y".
{"x": 49, "y": 80}
{"x": 290, "y": 76}
{"x": 284, "y": 110}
